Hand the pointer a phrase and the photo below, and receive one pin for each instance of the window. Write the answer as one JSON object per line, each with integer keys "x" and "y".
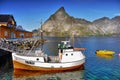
{"x": 52, "y": 66}
{"x": 60, "y": 66}
{"x": 6, "y": 33}
{"x": 66, "y": 54}
{"x": 37, "y": 59}
{"x": 61, "y": 50}
{"x": 29, "y": 62}
{"x": 27, "y": 34}
{"x": 12, "y": 22}
{"x": 71, "y": 54}
{"x": 22, "y": 35}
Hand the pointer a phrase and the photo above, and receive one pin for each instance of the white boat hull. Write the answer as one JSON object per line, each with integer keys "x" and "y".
{"x": 28, "y": 63}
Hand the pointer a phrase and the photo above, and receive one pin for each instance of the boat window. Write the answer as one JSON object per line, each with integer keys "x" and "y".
{"x": 29, "y": 62}
{"x": 60, "y": 66}
{"x": 66, "y": 54}
{"x": 71, "y": 54}
{"x": 37, "y": 59}
{"x": 52, "y": 66}
{"x": 61, "y": 50}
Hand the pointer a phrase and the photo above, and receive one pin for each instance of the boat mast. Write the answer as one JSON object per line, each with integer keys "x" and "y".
{"x": 41, "y": 31}
{"x": 41, "y": 34}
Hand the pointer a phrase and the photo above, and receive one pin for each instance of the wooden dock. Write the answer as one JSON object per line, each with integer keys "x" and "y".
{"x": 20, "y": 46}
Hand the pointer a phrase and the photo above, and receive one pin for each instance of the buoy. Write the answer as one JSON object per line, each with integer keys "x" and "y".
{"x": 119, "y": 54}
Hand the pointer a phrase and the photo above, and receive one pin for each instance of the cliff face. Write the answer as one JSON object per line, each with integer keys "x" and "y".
{"x": 62, "y": 24}
{"x": 106, "y": 26}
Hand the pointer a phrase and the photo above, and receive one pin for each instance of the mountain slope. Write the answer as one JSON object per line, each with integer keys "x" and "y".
{"x": 62, "y": 24}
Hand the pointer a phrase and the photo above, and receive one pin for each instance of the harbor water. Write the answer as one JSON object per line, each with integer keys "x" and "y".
{"x": 97, "y": 67}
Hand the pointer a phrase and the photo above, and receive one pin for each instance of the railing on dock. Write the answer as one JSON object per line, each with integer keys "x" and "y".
{"x": 5, "y": 45}
{"x": 17, "y": 46}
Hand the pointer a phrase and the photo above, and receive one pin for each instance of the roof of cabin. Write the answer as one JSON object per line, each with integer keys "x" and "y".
{"x": 5, "y": 17}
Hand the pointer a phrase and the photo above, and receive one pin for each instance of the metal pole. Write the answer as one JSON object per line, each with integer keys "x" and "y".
{"x": 41, "y": 31}
{"x": 73, "y": 39}
{"x": 0, "y": 30}
{"x": 41, "y": 34}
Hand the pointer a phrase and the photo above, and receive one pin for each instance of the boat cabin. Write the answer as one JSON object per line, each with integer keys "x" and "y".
{"x": 67, "y": 52}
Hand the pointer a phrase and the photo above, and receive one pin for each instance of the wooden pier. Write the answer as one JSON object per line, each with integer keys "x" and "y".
{"x": 20, "y": 46}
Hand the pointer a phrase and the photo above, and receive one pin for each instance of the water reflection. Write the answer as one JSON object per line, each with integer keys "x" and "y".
{"x": 32, "y": 75}
{"x": 6, "y": 75}
{"x": 97, "y": 67}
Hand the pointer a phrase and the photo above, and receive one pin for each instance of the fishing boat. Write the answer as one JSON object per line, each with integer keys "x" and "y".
{"x": 68, "y": 58}
{"x": 105, "y": 52}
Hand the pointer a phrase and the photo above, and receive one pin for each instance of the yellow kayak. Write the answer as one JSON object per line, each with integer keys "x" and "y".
{"x": 105, "y": 52}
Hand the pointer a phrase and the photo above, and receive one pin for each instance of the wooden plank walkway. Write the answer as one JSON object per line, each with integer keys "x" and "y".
{"x": 5, "y": 45}
{"x": 21, "y": 46}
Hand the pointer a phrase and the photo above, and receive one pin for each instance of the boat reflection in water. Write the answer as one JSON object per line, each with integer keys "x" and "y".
{"x": 105, "y": 56}
{"x": 35, "y": 75}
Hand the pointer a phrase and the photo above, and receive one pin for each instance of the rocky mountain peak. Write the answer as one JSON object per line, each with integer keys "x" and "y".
{"x": 60, "y": 14}
{"x": 117, "y": 18}
{"x": 101, "y": 19}
{"x": 61, "y": 24}
{"x": 61, "y": 9}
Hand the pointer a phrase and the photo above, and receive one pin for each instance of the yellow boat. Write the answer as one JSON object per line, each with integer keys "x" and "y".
{"x": 105, "y": 56}
{"x": 105, "y": 52}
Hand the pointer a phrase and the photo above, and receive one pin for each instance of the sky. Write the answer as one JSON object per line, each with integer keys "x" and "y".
{"x": 29, "y": 13}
